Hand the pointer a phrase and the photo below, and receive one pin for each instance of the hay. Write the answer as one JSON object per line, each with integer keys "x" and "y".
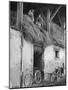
{"x": 39, "y": 35}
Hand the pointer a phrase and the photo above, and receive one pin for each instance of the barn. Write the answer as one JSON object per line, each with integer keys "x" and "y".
{"x": 37, "y": 41}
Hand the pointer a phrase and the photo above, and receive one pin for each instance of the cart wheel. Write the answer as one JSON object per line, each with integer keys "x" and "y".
{"x": 59, "y": 74}
{"x": 37, "y": 76}
{"x": 28, "y": 80}
{"x": 53, "y": 77}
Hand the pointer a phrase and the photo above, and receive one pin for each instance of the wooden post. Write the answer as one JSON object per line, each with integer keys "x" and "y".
{"x": 48, "y": 21}
{"x": 19, "y": 26}
{"x": 16, "y": 50}
{"x": 19, "y": 14}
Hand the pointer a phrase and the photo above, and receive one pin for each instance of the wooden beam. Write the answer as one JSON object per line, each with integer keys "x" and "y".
{"x": 59, "y": 19}
{"x": 19, "y": 27}
{"x": 55, "y": 13}
{"x": 48, "y": 20}
{"x": 19, "y": 14}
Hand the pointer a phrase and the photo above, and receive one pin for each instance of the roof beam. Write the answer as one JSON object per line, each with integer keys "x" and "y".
{"x": 55, "y": 13}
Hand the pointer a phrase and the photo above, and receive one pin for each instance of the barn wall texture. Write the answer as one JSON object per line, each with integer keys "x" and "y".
{"x": 20, "y": 50}
{"x": 27, "y": 59}
{"x": 51, "y": 62}
{"x": 15, "y": 58}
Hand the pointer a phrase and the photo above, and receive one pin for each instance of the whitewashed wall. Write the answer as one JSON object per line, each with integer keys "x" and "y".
{"x": 15, "y": 58}
{"x": 48, "y": 57}
{"x": 27, "y": 59}
{"x": 51, "y": 62}
{"x": 18, "y": 48}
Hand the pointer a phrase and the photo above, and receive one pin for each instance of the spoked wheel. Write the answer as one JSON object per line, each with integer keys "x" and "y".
{"x": 53, "y": 77}
{"x": 59, "y": 74}
{"x": 28, "y": 80}
{"x": 37, "y": 76}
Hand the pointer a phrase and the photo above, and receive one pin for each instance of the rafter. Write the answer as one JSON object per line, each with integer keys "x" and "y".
{"x": 55, "y": 13}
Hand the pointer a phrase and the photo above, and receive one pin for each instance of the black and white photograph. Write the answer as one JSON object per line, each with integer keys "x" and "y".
{"x": 37, "y": 44}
